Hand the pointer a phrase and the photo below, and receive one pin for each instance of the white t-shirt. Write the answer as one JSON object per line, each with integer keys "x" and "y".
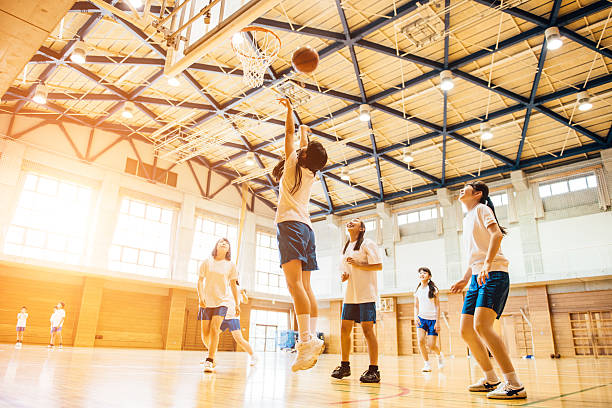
{"x": 362, "y": 286}
{"x": 476, "y": 238}
{"x": 57, "y": 317}
{"x": 294, "y": 207}
{"x": 21, "y": 319}
{"x": 217, "y": 277}
{"x": 427, "y": 306}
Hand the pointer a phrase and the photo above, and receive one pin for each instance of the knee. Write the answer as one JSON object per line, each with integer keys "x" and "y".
{"x": 368, "y": 331}
{"x": 294, "y": 286}
{"x": 467, "y": 332}
{"x": 480, "y": 327}
{"x": 346, "y": 330}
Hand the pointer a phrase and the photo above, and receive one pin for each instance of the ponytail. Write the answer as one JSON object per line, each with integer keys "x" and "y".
{"x": 486, "y": 200}
{"x": 433, "y": 289}
{"x": 315, "y": 160}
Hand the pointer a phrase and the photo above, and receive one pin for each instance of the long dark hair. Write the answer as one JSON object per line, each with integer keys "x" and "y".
{"x": 315, "y": 160}
{"x": 362, "y": 232}
{"x": 228, "y": 255}
{"x": 432, "y": 286}
{"x": 485, "y": 199}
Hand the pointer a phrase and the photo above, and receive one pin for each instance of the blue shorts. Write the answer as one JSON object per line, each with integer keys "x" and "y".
{"x": 56, "y": 329}
{"x": 359, "y": 312}
{"x": 428, "y": 326}
{"x": 493, "y": 294}
{"x": 296, "y": 240}
{"x": 20, "y": 329}
{"x": 230, "y": 324}
{"x": 206, "y": 313}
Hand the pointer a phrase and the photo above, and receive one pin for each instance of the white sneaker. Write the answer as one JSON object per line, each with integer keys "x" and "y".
{"x": 307, "y": 354}
{"x": 203, "y": 360}
{"x": 254, "y": 360}
{"x": 507, "y": 391}
{"x": 483, "y": 386}
{"x": 209, "y": 367}
{"x": 61, "y": 347}
{"x": 441, "y": 361}
{"x": 426, "y": 367}
{"x": 17, "y": 345}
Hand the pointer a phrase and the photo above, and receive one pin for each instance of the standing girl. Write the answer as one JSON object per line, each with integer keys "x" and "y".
{"x": 361, "y": 260}
{"x": 486, "y": 297}
{"x": 21, "y": 325}
{"x": 427, "y": 314}
{"x": 217, "y": 291}
{"x": 296, "y": 240}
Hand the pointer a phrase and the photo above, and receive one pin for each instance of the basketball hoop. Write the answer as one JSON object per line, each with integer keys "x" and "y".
{"x": 256, "y": 48}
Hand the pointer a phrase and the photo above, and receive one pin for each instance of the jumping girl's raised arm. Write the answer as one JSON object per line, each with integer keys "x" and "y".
{"x": 304, "y": 130}
{"x": 289, "y": 127}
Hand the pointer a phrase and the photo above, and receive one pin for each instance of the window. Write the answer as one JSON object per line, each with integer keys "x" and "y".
{"x": 142, "y": 239}
{"x": 418, "y": 216}
{"x": 269, "y": 276}
{"x": 370, "y": 225}
{"x": 499, "y": 199}
{"x": 50, "y": 221}
{"x": 266, "y": 327}
{"x": 565, "y": 186}
{"x": 207, "y": 232}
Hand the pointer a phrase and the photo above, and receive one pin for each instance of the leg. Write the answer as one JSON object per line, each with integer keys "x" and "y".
{"x": 421, "y": 333}
{"x": 314, "y": 309}
{"x": 433, "y": 344}
{"x": 237, "y": 335}
{"x": 215, "y": 331}
{"x": 477, "y": 348}
{"x": 370, "y": 336}
{"x": 59, "y": 333}
{"x": 51, "y": 341}
{"x": 301, "y": 302}
{"x": 204, "y": 332}
{"x": 345, "y": 338}
{"x": 483, "y": 324}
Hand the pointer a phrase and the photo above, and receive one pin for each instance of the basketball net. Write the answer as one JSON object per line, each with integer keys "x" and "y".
{"x": 256, "y": 48}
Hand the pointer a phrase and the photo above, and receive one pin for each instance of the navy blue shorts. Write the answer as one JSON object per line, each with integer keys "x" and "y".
{"x": 428, "y": 326}
{"x": 359, "y": 312}
{"x": 206, "y": 313}
{"x": 20, "y": 328}
{"x": 493, "y": 294}
{"x": 296, "y": 240}
{"x": 230, "y": 324}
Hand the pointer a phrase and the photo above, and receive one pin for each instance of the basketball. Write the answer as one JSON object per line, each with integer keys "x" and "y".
{"x": 305, "y": 60}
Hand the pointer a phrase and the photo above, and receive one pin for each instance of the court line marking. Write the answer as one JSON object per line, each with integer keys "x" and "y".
{"x": 565, "y": 395}
{"x": 403, "y": 391}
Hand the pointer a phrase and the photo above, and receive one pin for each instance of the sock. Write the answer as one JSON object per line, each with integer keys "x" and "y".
{"x": 491, "y": 376}
{"x": 373, "y": 368}
{"x": 209, "y": 359}
{"x": 303, "y": 321}
{"x": 345, "y": 363}
{"x": 512, "y": 379}
{"x": 313, "y": 326}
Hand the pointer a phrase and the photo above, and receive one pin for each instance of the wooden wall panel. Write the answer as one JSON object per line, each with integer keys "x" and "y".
{"x": 129, "y": 319}
{"x": 40, "y": 297}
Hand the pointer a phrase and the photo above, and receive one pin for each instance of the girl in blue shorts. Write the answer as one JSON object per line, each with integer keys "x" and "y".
{"x": 427, "y": 316}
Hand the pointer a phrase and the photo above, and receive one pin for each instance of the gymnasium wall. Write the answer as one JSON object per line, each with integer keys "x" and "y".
{"x": 108, "y": 312}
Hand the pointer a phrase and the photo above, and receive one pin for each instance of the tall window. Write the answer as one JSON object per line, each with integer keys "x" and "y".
{"x": 266, "y": 328}
{"x": 50, "y": 221}
{"x": 269, "y": 275}
{"x": 142, "y": 239}
{"x": 207, "y": 233}
{"x": 565, "y": 186}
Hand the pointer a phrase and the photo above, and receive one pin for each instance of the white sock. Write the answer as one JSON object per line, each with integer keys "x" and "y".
{"x": 313, "y": 326}
{"x": 491, "y": 376}
{"x": 303, "y": 321}
{"x": 512, "y": 379}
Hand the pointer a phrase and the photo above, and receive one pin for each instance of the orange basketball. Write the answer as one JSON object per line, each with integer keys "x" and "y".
{"x": 305, "y": 60}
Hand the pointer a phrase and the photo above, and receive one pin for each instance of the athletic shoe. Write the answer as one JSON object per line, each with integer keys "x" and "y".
{"x": 17, "y": 345}
{"x": 50, "y": 346}
{"x": 341, "y": 371}
{"x": 483, "y": 386}
{"x": 209, "y": 367}
{"x": 307, "y": 354}
{"x": 507, "y": 391}
{"x": 441, "y": 361}
{"x": 370, "y": 376}
{"x": 254, "y": 360}
{"x": 426, "y": 367}
{"x": 61, "y": 347}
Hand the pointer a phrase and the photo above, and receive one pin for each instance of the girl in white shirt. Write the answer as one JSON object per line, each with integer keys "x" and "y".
{"x": 486, "y": 297}
{"x": 296, "y": 240}
{"x": 427, "y": 316}
{"x": 360, "y": 263}
{"x": 217, "y": 291}
{"x": 22, "y": 317}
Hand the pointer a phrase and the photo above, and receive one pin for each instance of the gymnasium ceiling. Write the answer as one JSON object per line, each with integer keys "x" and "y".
{"x": 502, "y": 74}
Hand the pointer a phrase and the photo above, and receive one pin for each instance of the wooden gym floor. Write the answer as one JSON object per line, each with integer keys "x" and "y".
{"x": 87, "y": 377}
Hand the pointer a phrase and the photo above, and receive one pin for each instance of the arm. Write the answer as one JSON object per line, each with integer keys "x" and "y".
{"x": 236, "y": 296}
{"x": 416, "y": 311}
{"x": 437, "y": 303}
{"x": 494, "y": 244}
{"x": 200, "y": 289}
{"x": 365, "y": 266}
{"x": 304, "y": 129}
{"x": 289, "y": 127}
{"x": 458, "y": 287}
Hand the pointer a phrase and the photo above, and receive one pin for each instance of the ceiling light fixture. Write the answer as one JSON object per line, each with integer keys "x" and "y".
{"x": 79, "y": 53}
{"x": 485, "y": 131}
{"x": 250, "y": 159}
{"x": 344, "y": 176}
{"x": 364, "y": 112}
{"x": 553, "y": 38}
{"x": 173, "y": 81}
{"x": 40, "y": 95}
{"x": 128, "y": 111}
{"x": 446, "y": 80}
{"x": 584, "y": 101}
{"x": 407, "y": 157}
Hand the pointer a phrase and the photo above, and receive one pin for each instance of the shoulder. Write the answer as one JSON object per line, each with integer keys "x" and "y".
{"x": 367, "y": 242}
{"x": 292, "y": 158}
{"x": 483, "y": 209}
